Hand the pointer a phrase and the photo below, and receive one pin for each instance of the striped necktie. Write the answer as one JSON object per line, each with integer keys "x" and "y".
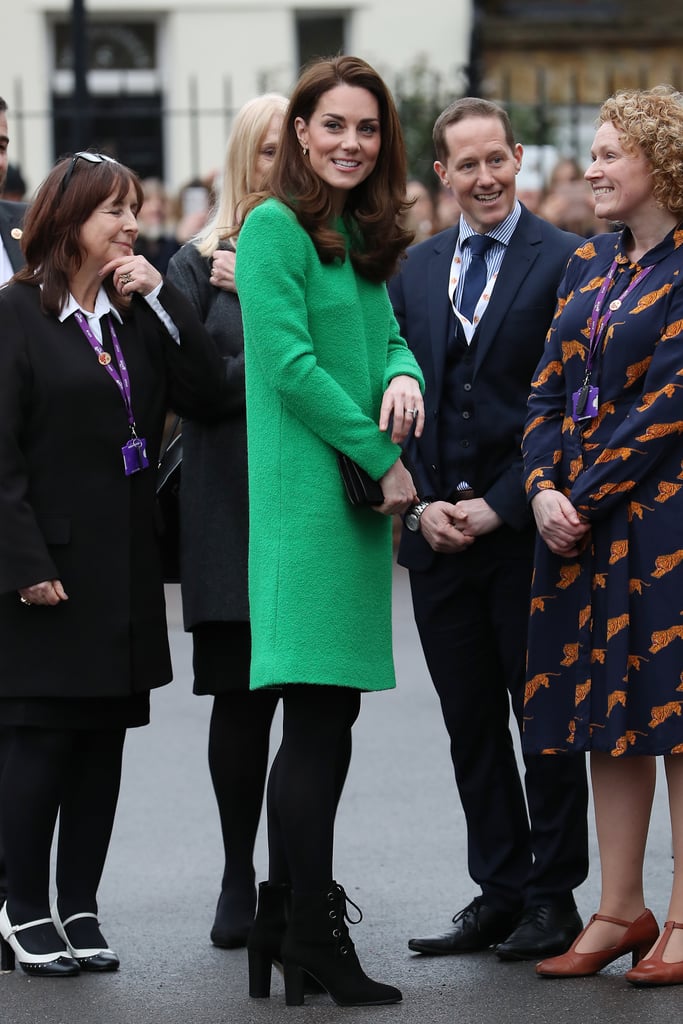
{"x": 476, "y": 276}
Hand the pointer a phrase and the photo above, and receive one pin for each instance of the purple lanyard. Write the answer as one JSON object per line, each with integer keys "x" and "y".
{"x": 595, "y": 334}
{"x": 121, "y": 377}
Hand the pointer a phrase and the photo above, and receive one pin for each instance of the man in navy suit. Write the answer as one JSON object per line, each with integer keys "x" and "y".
{"x": 469, "y": 543}
{"x": 11, "y": 259}
{"x": 11, "y": 214}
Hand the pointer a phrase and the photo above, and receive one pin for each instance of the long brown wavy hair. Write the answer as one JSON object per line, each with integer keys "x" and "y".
{"x": 51, "y": 236}
{"x": 372, "y": 208}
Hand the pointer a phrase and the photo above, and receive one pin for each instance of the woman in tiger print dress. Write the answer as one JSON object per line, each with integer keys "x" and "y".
{"x": 604, "y": 475}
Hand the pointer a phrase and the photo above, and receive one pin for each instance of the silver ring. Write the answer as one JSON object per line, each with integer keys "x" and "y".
{"x": 126, "y": 278}
{"x": 24, "y": 601}
{"x": 411, "y": 412}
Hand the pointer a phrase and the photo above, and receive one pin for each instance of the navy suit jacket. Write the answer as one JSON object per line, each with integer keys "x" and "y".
{"x": 11, "y": 216}
{"x": 509, "y": 344}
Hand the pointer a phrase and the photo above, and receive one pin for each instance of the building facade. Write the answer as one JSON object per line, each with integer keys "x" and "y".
{"x": 164, "y": 77}
{"x": 559, "y": 59}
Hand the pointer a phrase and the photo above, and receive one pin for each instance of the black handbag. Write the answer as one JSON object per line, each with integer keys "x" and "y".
{"x": 168, "y": 500}
{"x": 360, "y": 488}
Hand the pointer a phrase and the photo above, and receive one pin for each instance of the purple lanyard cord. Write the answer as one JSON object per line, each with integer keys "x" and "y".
{"x": 598, "y": 326}
{"x": 121, "y": 377}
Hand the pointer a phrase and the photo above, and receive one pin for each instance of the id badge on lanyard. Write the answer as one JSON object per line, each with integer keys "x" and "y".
{"x": 586, "y": 400}
{"x": 134, "y": 451}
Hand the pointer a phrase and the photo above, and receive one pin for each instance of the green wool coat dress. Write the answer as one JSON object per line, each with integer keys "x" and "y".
{"x": 321, "y": 345}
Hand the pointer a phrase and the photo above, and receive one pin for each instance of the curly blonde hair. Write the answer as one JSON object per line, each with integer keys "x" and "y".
{"x": 651, "y": 120}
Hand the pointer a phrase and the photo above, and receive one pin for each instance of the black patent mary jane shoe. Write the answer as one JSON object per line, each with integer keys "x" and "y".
{"x": 54, "y": 964}
{"x": 89, "y": 958}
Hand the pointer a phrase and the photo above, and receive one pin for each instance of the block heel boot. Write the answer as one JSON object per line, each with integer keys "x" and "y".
{"x": 264, "y": 942}
{"x": 317, "y": 947}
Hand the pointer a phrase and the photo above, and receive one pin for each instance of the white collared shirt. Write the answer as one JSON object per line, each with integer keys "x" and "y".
{"x": 462, "y": 257}
{"x": 103, "y": 306}
{"x": 6, "y": 268}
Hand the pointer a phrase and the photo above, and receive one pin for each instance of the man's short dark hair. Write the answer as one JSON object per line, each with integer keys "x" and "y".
{"x": 460, "y": 110}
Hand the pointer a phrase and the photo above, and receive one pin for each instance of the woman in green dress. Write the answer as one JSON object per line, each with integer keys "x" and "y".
{"x": 326, "y": 369}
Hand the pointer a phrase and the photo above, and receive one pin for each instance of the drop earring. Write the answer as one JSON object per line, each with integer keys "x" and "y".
{"x": 304, "y": 149}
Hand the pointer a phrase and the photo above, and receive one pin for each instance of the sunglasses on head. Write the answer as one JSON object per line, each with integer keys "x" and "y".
{"x": 91, "y": 158}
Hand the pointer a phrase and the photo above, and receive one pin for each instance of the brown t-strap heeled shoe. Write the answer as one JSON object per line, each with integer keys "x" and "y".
{"x": 654, "y": 970}
{"x": 637, "y": 939}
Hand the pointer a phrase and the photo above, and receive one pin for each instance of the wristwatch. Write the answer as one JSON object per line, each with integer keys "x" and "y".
{"x": 413, "y": 516}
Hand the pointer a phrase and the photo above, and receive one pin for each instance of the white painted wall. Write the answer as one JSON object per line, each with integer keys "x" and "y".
{"x": 248, "y": 40}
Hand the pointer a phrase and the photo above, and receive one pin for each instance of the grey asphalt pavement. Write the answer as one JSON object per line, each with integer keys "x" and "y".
{"x": 400, "y": 855}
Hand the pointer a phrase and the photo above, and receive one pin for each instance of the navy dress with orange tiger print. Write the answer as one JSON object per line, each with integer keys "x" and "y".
{"x": 605, "y": 661}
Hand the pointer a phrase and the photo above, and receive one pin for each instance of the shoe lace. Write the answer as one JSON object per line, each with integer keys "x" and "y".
{"x": 338, "y": 894}
{"x": 471, "y": 910}
{"x": 339, "y": 915}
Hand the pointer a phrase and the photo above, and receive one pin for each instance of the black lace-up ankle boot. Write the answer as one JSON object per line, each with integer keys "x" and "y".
{"x": 317, "y": 946}
{"x": 265, "y": 937}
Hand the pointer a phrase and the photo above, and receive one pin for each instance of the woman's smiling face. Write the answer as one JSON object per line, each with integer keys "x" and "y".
{"x": 343, "y": 137}
{"x": 621, "y": 179}
{"x": 111, "y": 229}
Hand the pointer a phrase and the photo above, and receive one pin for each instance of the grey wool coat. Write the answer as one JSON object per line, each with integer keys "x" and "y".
{"x": 213, "y": 491}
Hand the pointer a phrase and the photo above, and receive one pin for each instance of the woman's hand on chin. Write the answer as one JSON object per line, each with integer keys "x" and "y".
{"x": 132, "y": 274}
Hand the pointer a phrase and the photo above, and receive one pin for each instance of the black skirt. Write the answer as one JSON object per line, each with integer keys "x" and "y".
{"x": 221, "y": 657}
{"x": 76, "y": 712}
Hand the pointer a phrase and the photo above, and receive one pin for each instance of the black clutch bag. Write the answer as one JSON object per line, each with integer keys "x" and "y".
{"x": 360, "y": 488}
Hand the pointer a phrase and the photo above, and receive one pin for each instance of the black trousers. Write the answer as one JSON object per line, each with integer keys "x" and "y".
{"x": 471, "y": 611}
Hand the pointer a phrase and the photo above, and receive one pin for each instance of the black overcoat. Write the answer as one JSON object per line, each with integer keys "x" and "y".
{"x": 68, "y": 511}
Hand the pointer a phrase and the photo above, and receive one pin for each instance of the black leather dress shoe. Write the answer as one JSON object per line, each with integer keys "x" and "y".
{"x": 476, "y": 927}
{"x": 547, "y": 929}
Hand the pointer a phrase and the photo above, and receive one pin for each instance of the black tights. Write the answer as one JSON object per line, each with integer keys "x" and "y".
{"x": 306, "y": 782}
{"x": 77, "y": 774}
{"x": 4, "y": 743}
{"x": 238, "y": 760}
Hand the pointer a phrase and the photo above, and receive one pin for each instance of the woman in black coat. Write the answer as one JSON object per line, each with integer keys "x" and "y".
{"x": 214, "y": 528}
{"x": 95, "y": 348}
